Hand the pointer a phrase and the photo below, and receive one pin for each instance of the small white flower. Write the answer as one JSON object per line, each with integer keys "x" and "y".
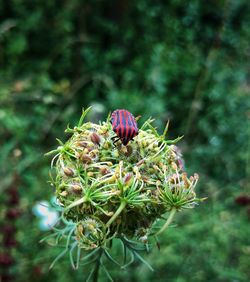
{"x": 48, "y": 216}
{"x": 47, "y": 222}
{"x": 41, "y": 209}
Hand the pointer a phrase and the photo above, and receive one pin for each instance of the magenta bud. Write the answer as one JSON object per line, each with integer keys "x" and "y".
{"x": 127, "y": 178}
{"x": 95, "y": 138}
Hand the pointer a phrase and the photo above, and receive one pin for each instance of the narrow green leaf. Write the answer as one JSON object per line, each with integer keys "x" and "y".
{"x": 143, "y": 261}
{"x": 131, "y": 260}
{"x": 60, "y": 142}
{"x": 48, "y": 237}
{"x": 90, "y": 274}
{"x": 71, "y": 255}
{"x": 106, "y": 272}
{"x": 175, "y": 140}
{"x": 69, "y": 237}
{"x": 110, "y": 258}
{"x": 84, "y": 113}
{"x": 57, "y": 258}
{"x": 91, "y": 254}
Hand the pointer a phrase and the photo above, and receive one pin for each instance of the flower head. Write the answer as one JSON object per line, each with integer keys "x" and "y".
{"x": 108, "y": 190}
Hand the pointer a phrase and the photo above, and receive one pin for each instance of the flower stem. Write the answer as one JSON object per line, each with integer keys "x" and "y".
{"x": 96, "y": 271}
{"x": 118, "y": 211}
{"x": 167, "y": 223}
{"x": 75, "y": 203}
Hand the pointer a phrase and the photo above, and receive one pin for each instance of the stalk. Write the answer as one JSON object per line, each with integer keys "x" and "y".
{"x": 75, "y": 203}
{"x": 118, "y": 211}
{"x": 96, "y": 271}
{"x": 168, "y": 222}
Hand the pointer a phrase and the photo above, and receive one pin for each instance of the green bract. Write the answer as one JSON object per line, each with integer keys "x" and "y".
{"x": 111, "y": 191}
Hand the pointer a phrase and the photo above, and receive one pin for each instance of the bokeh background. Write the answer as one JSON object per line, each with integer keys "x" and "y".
{"x": 183, "y": 61}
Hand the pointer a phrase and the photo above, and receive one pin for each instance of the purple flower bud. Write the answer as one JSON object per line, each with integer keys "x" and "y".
{"x": 85, "y": 158}
{"x": 95, "y": 138}
{"x": 127, "y": 178}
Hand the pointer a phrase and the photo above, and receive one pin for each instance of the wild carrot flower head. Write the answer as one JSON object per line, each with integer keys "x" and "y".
{"x": 108, "y": 190}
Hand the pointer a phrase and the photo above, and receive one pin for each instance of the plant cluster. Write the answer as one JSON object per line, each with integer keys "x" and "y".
{"x": 107, "y": 190}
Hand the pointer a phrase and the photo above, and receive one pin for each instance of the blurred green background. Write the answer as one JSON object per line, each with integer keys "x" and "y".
{"x": 183, "y": 61}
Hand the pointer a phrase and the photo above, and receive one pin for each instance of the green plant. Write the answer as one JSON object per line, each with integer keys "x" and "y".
{"x": 113, "y": 192}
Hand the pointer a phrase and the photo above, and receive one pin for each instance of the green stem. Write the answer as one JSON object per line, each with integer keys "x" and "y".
{"x": 118, "y": 211}
{"x": 96, "y": 270}
{"x": 167, "y": 223}
{"x": 75, "y": 203}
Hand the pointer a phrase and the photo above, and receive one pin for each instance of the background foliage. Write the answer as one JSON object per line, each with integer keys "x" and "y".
{"x": 186, "y": 61}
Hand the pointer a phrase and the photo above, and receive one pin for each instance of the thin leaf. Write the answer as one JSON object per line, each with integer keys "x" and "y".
{"x": 84, "y": 113}
{"x": 110, "y": 258}
{"x": 131, "y": 261}
{"x": 146, "y": 123}
{"x": 71, "y": 255}
{"x": 78, "y": 257}
{"x": 124, "y": 248}
{"x": 106, "y": 272}
{"x": 143, "y": 261}
{"x": 57, "y": 258}
{"x": 175, "y": 140}
{"x": 69, "y": 237}
{"x": 165, "y": 130}
{"x": 88, "y": 262}
{"x": 48, "y": 237}
{"x": 91, "y": 254}
{"x": 90, "y": 274}
{"x": 52, "y": 152}
{"x": 60, "y": 142}
{"x": 69, "y": 130}
{"x": 152, "y": 128}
